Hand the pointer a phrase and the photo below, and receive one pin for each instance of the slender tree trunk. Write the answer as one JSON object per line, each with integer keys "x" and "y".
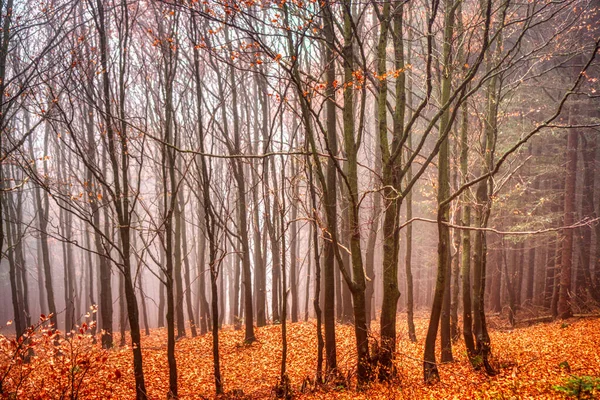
{"x": 372, "y": 237}
{"x": 121, "y": 184}
{"x": 356, "y": 281}
{"x": 346, "y": 297}
{"x": 553, "y": 245}
{"x": 235, "y": 307}
{"x": 283, "y": 379}
{"x": 171, "y": 316}
{"x": 533, "y": 242}
{"x": 238, "y": 172}
{"x": 308, "y": 276}
{"x": 122, "y": 311}
{"x": 186, "y": 263}
{"x": 177, "y": 258}
{"x": 556, "y": 273}
{"x": 410, "y": 302}
{"x": 391, "y": 294}
{"x": 18, "y": 315}
{"x": 65, "y": 221}
{"x": 339, "y": 300}
{"x": 497, "y": 283}
{"x": 293, "y": 227}
{"x": 221, "y": 282}
{"x": 260, "y": 266}
{"x": 456, "y": 234}
{"x": 484, "y": 203}
{"x": 444, "y": 244}
{"x": 588, "y": 149}
{"x": 104, "y": 267}
{"x": 530, "y": 270}
{"x": 143, "y": 303}
{"x": 329, "y": 202}
{"x": 484, "y": 191}
{"x": 68, "y": 271}
{"x": 466, "y": 237}
{"x": 510, "y": 285}
{"x": 90, "y": 307}
{"x": 209, "y": 220}
{"x": 161, "y": 293}
{"x": 203, "y": 307}
{"x": 564, "y": 297}
{"x": 520, "y": 262}
{"x": 441, "y": 300}
{"x": 42, "y": 204}
{"x": 317, "y": 256}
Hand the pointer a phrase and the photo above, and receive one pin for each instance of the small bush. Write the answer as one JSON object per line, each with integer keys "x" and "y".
{"x": 579, "y": 387}
{"x": 45, "y": 363}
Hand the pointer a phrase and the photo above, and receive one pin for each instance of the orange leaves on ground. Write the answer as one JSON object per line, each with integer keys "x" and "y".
{"x": 529, "y": 361}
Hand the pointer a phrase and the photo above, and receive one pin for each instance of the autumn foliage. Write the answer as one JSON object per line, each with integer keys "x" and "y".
{"x": 533, "y": 362}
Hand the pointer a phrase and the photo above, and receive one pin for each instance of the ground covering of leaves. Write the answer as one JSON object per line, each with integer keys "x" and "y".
{"x": 529, "y": 360}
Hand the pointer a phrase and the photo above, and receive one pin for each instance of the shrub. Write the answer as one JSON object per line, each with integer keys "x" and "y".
{"x": 579, "y": 387}
{"x": 44, "y": 363}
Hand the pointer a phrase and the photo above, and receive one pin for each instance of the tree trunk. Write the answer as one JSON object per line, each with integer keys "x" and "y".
{"x": 209, "y": 219}
{"x": 293, "y": 249}
{"x": 391, "y": 294}
{"x": 410, "y": 301}
{"x": 120, "y": 177}
{"x": 355, "y": 282}
{"x": 122, "y": 311}
{"x": 18, "y": 314}
{"x": 346, "y": 296}
{"x": 588, "y": 149}
{"x": 44, "y": 207}
{"x": 283, "y": 379}
{"x": 176, "y": 254}
{"x": 238, "y": 172}
{"x": 186, "y": 261}
{"x": 309, "y": 256}
{"x": 455, "y": 260}
{"x": 143, "y": 302}
{"x": 497, "y": 283}
{"x": 260, "y": 265}
{"x": 104, "y": 267}
{"x": 441, "y": 300}
{"x": 329, "y": 202}
{"x": 339, "y": 300}
{"x": 564, "y": 296}
{"x": 466, "y": 235}
{"x": 317, "y": 256}
{"x": 161, "y": 294}
{"x": 203, "y": 307}
{"x": 553, "y": 245}
{"x": 510, "y": 285}
{"x": 65, "y": 222}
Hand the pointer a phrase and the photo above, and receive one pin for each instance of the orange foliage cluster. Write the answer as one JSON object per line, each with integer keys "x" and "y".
{"x": 527, "y": 360}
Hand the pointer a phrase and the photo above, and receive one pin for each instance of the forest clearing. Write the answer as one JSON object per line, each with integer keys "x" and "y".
{"x": 531, "y": 362}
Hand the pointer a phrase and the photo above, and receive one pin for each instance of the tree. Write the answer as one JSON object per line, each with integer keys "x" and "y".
{"x": 329, "y": 191}
{"x": 442, "y": 286}
{"x": 564, "y": 302}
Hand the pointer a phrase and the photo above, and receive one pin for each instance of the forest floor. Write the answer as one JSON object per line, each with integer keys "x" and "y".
{"x": 529, "y": 360}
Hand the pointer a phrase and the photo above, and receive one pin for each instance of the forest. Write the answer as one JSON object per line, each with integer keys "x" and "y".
{"x": 247, "y": 199}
